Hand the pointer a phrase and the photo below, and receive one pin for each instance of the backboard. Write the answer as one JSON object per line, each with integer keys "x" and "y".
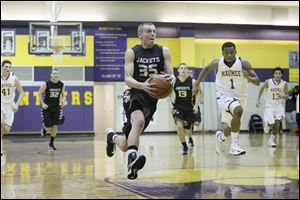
{"x": 45, "y": 36}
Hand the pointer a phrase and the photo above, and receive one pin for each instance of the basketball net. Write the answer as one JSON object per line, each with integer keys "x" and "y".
{"x": 57, "y": 53}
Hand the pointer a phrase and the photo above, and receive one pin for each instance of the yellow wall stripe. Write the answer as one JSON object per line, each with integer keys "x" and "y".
{"x": 22, "y": 56}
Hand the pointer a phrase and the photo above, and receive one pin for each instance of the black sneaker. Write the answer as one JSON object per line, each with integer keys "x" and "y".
{"x": 51, "y": 147}
{"x": 43, "y": 132}
{"x": 191, "y": 142}
{"x": 110, "y": 145}
{"x": 185, "y": 150}
{"x": 135, "y": 166}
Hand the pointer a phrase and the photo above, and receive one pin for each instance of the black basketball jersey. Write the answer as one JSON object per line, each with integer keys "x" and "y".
{"x": 52, "y": 93}
{"x": 184, "y": 94}
{"x": 146, "y": 63}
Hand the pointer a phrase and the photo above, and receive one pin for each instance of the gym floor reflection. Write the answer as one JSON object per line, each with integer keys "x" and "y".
{"x": 80, "y": 169}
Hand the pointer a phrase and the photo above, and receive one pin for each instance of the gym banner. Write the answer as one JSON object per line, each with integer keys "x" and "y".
{"x": 79, "y": 111}
{"x": 109, "y": 50}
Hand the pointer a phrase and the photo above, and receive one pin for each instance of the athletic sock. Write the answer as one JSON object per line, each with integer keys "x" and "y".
{"x": 51, "y": 141}
{"x": 234, "y": 137}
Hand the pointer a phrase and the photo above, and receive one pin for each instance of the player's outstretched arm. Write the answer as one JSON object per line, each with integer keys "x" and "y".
{"x": 63, "y": 96}
{"x": 21, "y": 94}
{"x": 41, "y": 91}
{"x": 168, "y": 65}
{"x": 265, "y": 85}
{"x": 198, "y": 96}
{"x": 285, "y": 96}
{"x": 249, "y": 73}
{"x": 205, "y": 71}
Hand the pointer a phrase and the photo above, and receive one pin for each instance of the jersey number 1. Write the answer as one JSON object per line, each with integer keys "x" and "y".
{"x": 232, "y": 86}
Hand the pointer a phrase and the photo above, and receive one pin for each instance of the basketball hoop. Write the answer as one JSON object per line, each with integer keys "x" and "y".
{"x": 57, "y": 53}
{"x": 57, "y": 50}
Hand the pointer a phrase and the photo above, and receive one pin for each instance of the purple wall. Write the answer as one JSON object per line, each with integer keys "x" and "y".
{"x": 78, "y": 117}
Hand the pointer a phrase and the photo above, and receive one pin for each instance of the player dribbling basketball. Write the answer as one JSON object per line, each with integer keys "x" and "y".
{"x": 141, "y": 62}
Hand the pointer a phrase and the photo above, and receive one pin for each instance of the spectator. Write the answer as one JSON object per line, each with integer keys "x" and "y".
{"x": 290, "y": 112}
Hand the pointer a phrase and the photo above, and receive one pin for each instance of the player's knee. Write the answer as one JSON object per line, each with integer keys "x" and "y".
{"x": 227, "y": 129}
{"x": 271, "y": 126}
{"x": 6, "y": 129}
{"x": 187, "y": 126}
{"x": 238, "y": 111}
{"x": 179, "y": 125}
{"x": 180, "y": 128}
{"x": 2, "y": 130}
{"x": 139, "y": 123}
{"x": 277, "y": 124}
{"x": 48, "y": 130}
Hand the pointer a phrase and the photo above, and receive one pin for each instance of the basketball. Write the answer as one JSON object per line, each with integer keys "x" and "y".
{"x": 163, "y": 86}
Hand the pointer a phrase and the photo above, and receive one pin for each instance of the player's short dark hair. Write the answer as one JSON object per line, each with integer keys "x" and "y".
{"x": 227, "y": 45}
{"x": 277, "y": 69}
{"x": 54, "y": 70}
{"x": 141, "y": 27}
{"x": 5, "y": 62}
{"x": 182, "y": 64}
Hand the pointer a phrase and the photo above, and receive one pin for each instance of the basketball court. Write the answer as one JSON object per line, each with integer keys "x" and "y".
{"x": 80, "y": 169}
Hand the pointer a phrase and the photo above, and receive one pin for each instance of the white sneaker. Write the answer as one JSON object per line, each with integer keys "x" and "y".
{"x": 266, "y": 129}
{"x": 109, "y": 130}
{"x": 220, "y": 144}
{"x": 3, "y": 160}
{"x": 43, "y": 131}
{"x": 236, "y": 150}
{"x": 271, "y": 142}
